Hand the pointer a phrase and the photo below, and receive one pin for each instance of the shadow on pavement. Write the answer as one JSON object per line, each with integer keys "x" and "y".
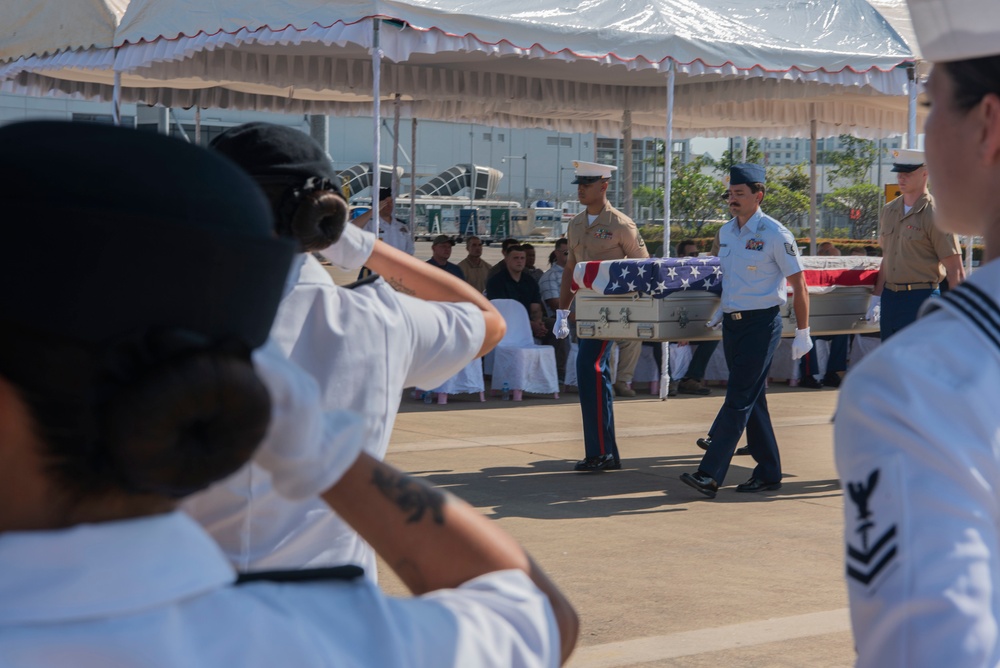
{"x": 550, "y": 489}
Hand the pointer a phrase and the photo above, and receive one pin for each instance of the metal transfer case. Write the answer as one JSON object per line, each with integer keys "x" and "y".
{"x": 839, "y": 289}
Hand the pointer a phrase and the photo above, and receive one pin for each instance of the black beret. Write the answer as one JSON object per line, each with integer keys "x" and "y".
{"x": 384, "y": 193}
{"x": 109, "y": 233}
{"x": 276, "y": 152}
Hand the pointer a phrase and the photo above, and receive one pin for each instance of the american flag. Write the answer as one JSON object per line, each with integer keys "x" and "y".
{"x": 657, "y": 276}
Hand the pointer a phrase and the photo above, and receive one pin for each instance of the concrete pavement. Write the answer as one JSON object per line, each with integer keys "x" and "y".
{"x": 660, "y": 575}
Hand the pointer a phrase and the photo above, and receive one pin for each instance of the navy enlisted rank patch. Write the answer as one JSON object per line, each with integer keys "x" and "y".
{"x": 755, "y": 245}
{"x": 871, "y": 534}
{"x": 790, "y": 249}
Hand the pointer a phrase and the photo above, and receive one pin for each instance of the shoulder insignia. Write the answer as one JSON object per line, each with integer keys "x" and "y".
{"x": 790, "y": 249}
{"x": 872, "y": 546}
{"x": 334, "y": 573}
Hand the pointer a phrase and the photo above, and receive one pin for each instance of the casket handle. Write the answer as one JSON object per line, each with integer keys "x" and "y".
{"x": 682, "y": 317}
{"x": 623, "y": 315}
{"x": 604, "y": 313}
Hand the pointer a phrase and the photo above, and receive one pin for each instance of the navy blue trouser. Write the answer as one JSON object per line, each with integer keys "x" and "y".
{"x": 699, "y": 361}
{"x": 838, "y": 355}
{"x": 749, "y": 345}
{"x": 899, "y": 309}
{"x": 593, "y": 381}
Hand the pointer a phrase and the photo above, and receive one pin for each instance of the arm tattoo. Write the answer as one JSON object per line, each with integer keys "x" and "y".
{"x": 397, "y": 285}
{"x": 410, "y": 495}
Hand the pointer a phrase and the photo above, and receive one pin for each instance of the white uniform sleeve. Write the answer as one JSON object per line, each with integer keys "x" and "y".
{"x": 916, "y": 450}
{"x": 786, "y": 253}
{"x": 306, "y": 449}
{"x": 444, "y": 338}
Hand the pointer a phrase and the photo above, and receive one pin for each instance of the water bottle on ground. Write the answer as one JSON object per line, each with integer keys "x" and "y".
{"x": 505, "y": 392}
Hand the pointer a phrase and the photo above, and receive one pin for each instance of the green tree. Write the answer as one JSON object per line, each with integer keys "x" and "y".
{"x": 695, "y": 197}
{"x": 861, "y": 203}
{"x": 853, "y": 162}
{"x": 787, "y": 198}
{"x": 734, "y": 157}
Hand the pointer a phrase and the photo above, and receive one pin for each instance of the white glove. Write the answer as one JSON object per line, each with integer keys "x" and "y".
{"x": 306, "y": 450}
{"x": 874, "y": 313}
{"x": 561, "y": 328}
{"x": 352, "y": 249}
{"x": 802, "y": 344}
{"x": 715, "y": 322}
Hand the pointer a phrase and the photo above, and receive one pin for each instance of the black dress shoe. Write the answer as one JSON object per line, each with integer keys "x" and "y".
{"x": 745, "y": 450}
{"x": 832, "y": 379}
{"x": 702, "y": 482}
{"x": 599, "y": 463}
{"x": 811, "y": 382}
{"x": 704, "y": 443}
{"x": 754, "y": 485}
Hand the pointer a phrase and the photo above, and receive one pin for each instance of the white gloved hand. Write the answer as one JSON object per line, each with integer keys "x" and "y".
{"x": 561, "y": 328}
{"x": 352, "y": 249}
{"x": 802, "y": 344}
{"x": 715, "y": 322}
{"x": 874, "y": 313}
{"x": 305, "y": 449}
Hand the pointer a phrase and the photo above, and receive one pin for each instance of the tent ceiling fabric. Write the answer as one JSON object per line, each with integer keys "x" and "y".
{"x": 47, "y": 27}
{"x": 793, "y": 59}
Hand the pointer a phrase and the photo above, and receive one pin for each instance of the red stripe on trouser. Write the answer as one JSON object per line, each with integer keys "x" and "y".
{"x": 599, "y": 380}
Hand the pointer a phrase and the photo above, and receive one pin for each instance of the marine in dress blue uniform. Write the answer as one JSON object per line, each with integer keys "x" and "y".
{"x": 757, "y": 254}
{"x": 600, "y": 232}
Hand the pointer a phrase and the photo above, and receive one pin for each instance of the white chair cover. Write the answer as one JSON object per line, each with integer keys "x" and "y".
{"x": 517, "y": 360}
{"x": 468, "y": 380}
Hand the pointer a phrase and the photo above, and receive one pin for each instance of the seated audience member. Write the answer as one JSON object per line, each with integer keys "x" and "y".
{"x": 859, "y": 251}
{"x": 474, "y": 267}
{"x": 529, "y": 262}
{"x": 440, "y": 254}
{"x": 549, "y": 285}
{"x": 513, "y": 283}
{"x": 152, "y": 381}
{"x": 505, "y": 246}
{"x": 836, "y": 364}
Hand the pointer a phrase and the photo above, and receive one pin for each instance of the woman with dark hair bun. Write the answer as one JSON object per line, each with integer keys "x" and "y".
{"x": 135, "y": 372}
{"x": 413, "y": 327}
{"x": 917, "y": 433}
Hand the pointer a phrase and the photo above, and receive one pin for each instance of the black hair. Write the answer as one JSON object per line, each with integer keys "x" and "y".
{"x": 973, "y": 79}
{"x": 312, "y": 213}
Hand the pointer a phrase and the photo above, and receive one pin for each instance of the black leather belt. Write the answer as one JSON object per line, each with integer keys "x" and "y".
{"x": 906, "y": 287}
{"x": 756, "y": 313}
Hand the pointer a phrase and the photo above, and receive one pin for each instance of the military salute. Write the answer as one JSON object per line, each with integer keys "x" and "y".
{"x": 757, "y": 254}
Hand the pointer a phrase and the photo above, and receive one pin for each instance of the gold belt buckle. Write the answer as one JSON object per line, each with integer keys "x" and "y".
{"x": 736, "y": 316}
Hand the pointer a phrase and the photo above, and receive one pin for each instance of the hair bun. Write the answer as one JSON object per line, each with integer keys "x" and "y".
{"x": 186, "y": 424}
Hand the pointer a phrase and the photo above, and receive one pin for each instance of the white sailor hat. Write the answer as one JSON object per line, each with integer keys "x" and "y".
{"x": 956, "y": 29}
{"x": 588, "y": 172}
{"x": 906, "y": 160}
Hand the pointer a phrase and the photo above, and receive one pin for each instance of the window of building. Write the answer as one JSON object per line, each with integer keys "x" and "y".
{"x": 487, "y": 136}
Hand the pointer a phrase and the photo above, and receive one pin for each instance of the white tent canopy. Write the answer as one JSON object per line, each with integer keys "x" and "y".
{"x": 768, "y": 71}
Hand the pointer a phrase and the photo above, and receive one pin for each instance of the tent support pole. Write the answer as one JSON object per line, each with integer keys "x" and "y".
{"x": 413, "y": 180}
{"x": 911, "y": 108}
{"x": 626, "y": 180}
{"x": 116, "y": 99}
{"x": 377, "y": 118}
{"x": 668, "y": 155}
{"x": 812, "y": 184}
{"x": 395, "y": 146}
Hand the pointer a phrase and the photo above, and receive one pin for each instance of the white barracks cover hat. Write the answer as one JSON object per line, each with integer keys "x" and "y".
{"x": 956, "y": 29}
{"x": 906, "y": 159}
{"x": 588, "y": 172}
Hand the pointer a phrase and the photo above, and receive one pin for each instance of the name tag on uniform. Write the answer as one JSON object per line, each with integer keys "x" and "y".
{"x": 752, "y": 267}
{"x": 755, "y": 245}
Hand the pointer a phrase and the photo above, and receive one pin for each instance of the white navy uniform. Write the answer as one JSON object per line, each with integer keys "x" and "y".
{"x": 157, "y": 592}
{"x": 362, "y": 346}
{"x": 396, "y": 234}
{"x": 917, "y": 440}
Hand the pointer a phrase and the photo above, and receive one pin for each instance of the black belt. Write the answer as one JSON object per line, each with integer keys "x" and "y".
{"x": 906, "y": 287}
{"x": 756, "y": 313}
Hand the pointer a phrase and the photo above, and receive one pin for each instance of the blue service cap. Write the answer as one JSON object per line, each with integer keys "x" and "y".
{"x": 746, "y": 173}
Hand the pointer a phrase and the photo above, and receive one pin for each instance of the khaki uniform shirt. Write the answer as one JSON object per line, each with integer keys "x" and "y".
{"x": 912, "y": 248}
{"x": 475, "y": 276}
{"x": 613, "y": 236}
